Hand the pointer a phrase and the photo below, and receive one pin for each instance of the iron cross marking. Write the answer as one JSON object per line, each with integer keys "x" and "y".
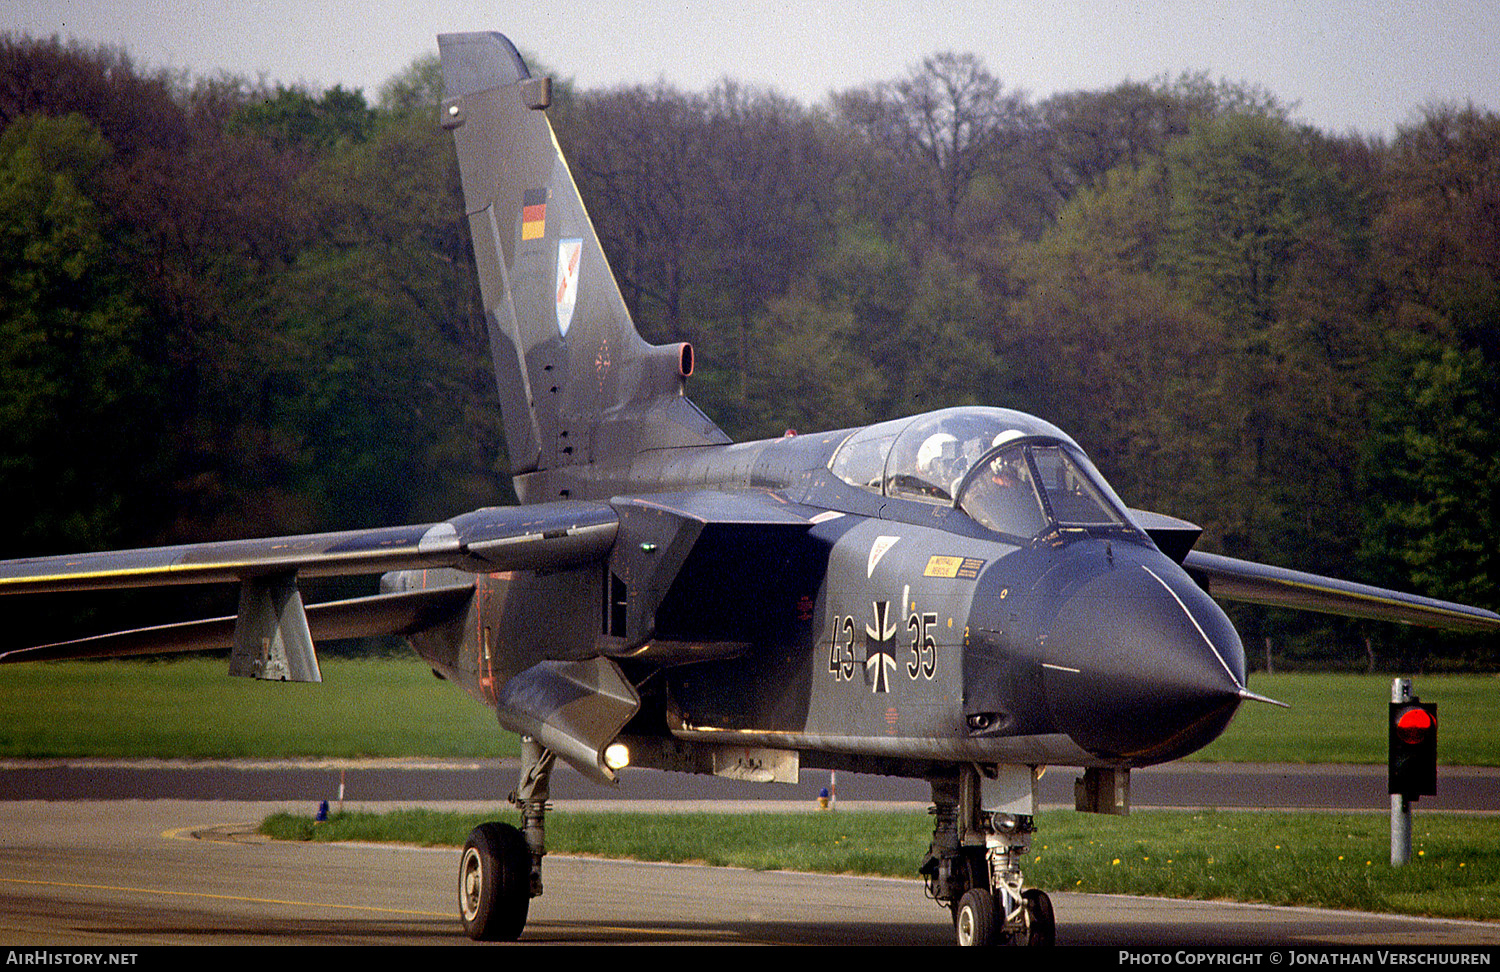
{"x": 880, "y": 649}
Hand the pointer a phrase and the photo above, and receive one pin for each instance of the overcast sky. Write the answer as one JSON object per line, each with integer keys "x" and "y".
{"x": 1348, "y": 64}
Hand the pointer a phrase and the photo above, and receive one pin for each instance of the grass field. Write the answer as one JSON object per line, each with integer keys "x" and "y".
{"x": 190, "y": 708}
{"x": 1342, "y": 719}
{"x": 1330, "y": 860}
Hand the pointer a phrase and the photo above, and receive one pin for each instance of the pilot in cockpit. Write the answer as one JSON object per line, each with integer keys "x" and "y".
{"x": 940, "y": 464}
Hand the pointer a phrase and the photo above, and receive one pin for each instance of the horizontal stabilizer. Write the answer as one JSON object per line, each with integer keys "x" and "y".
{"x": 361, "y": 617}
{"x": 1242, "y": 580}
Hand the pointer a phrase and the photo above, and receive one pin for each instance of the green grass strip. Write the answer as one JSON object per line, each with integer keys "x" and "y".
{"x": 1328, "y": 860}
{"x": 191, "y": 708}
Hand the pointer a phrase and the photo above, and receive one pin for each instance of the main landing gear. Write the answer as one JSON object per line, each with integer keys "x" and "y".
{"x": 973, "y": 867}
{"x": 983, "y": 822}
{"x": 501, "y": 868}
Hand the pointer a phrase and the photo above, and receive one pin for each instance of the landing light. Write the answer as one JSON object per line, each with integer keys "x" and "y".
{"x": 617, "y": 756}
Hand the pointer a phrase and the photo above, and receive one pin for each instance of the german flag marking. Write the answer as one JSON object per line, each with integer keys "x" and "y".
{"x": 534, "y": 215}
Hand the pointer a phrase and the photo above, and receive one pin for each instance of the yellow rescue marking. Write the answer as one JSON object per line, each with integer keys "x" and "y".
{"x": 940, "y": 566}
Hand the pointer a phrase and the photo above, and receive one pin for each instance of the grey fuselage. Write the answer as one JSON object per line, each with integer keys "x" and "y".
{"x": 888, "y": 634}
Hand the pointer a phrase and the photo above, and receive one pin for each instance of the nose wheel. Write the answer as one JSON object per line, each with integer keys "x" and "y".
{"x": 1041, "y": 928}
{"x": 974, "y": 920}
{"x": 974, "y": 866}
{"x": 977, "y": 920}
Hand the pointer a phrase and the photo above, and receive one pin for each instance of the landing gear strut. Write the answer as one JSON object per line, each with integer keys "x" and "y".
{"x": 973, "y": 867}
{"x": 501, "y": 868}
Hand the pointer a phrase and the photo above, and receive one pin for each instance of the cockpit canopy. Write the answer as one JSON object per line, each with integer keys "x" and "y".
{"x": 1011, "y": 472}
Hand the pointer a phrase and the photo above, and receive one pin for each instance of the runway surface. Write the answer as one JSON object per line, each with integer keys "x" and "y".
{"x": 1226, "y": 785}
{"x": 123, "y": 874}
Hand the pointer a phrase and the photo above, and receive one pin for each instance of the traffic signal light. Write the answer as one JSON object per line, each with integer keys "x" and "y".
{"x": 1413, "y": 752}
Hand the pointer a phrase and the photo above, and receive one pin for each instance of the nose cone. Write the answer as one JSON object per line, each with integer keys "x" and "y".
{"x": 1141, "y": 665}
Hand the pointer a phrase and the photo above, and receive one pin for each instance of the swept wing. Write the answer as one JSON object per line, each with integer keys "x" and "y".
{"x": 1243, "y": 580}
{"x": 272, "y": 633}
{"x": 489, "y": 539}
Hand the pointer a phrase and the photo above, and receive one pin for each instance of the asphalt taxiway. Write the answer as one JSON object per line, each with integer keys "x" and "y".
{"x": 123, "y": 874}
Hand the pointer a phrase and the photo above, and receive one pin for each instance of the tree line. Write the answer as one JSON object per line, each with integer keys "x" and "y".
{"x": 233, "y": 308}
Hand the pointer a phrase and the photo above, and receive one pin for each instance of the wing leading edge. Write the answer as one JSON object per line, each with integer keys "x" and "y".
{"x": 1243, "y": 580}
{"x": 489, "y": 539}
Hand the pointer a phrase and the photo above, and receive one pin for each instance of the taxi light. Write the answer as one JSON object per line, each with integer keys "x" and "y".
{"x": 617, "y": 756}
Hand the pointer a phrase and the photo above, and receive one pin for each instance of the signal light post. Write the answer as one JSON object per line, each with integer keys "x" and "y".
{"x": 1412, "y": 766}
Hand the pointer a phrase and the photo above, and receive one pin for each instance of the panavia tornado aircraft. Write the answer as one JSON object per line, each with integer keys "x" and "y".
{"x": 958, "y": 597}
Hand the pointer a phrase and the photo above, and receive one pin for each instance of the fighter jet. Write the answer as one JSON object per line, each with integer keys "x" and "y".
{"x": 958, "y": 596}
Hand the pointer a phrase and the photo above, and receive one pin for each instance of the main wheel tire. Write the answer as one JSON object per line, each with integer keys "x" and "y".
{"x": 494, "y": 883}
{"x": 1041, "y": 926}
{"x": 975, "y": 918}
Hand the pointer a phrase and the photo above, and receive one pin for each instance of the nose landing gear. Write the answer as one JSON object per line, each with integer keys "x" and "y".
{"x": 973, "y": 867}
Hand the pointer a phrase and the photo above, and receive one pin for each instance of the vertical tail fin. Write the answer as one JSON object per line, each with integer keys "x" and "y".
{"x": 577, "y": 384}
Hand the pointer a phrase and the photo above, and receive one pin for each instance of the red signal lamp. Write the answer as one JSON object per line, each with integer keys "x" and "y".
{"x": 1413, "y": 725}
{"x": 1412, "y": 769}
